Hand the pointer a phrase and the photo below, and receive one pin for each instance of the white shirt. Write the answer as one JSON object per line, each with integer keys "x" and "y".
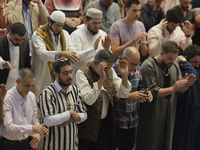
{"x": 14, "y": 62}
{"x": 156, "y": 39}
{"x": 83, "y": 41}
{"x": 62, "y": 117}
{"x": 20, "y": 115}
{"x": 40, "y": 58}
{"x": 90, "y": 95}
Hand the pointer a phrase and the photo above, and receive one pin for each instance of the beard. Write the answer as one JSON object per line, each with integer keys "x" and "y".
{"x": 65, "y": 83}
{"x": 166, "y": 65}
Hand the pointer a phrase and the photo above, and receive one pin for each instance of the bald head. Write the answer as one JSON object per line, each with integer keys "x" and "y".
{"x": 132, "y": 55}
{"x": 130, "y": 52}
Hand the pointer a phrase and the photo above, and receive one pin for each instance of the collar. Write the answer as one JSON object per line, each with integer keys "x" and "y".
{"x": 17, "y": 94}
{"x": 59, "y": 88}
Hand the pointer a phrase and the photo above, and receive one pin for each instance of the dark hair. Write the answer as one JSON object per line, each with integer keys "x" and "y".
{"x": 18, "y": 28}
{"x": 88, "y": 18}
{"x": 169, "y": 47}
{"x": 174, "y": 16}
{"x": 60, "y": 63}
{"x": 130, "y": 2}
{"x": 191, "y": 51}
{"x": 51, "y": 21}
{"x": 104, "y": 55}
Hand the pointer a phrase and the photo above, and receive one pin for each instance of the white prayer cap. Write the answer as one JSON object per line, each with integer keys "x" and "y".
{"x": 58, "y": 16}
{"x": 94, "y": 13}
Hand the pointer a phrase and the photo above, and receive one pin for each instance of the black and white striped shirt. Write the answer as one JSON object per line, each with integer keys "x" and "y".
{"x": 52, "y": 102}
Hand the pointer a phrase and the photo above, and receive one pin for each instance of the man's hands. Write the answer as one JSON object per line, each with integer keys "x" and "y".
{"x": 40, "y": 129}
{"x": 187, "y": 28}
{"x": 105, "y": 43}
{"x": 6, "y": 65}
{"x": 140, "y": 36}
{"x": 75, "y": 117}
{"x": 69, "y": 54}
{"x": 3, "y": 92}
{"x": 164, "y": 27}
{"x": 36, "y": 139}
{"x": 122, "y": 67}
{"x": 183, "y": 84}
{"x": 72, "y": 22}
{"x": 141, "y": 96}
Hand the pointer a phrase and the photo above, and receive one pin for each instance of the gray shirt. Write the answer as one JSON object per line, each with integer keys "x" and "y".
{"x": 110, "y": 15}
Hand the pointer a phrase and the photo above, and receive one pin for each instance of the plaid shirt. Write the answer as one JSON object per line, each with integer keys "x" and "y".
{"x": 125, "y": 110}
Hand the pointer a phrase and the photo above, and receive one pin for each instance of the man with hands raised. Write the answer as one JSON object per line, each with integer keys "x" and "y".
{"x": 169, "y": 29}
{"x": 88, "y": 39}
{"x": 125, "y": 109}
{"x": 162, "y": 76}
{"x": 98, "y": 83}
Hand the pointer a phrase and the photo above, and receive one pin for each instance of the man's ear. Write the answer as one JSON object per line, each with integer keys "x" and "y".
{"x": 17, "y": 81}
{"x": 55, "y": 74}
{"x": 95, "y": 62}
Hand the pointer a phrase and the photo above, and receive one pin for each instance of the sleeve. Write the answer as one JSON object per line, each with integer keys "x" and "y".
{"x": 155, "y": 39}
{"x": 3, "y": 19}
{"x": 83, "y": 54}
{"x": 44, "y": 14}
{"x": 35, "y": 111}
{"x": 88, "y": 93}
{"x": 69, "y": 42}
{"x": 47, "y": 104}
{"x": 185, "y": 41}
{"x": 150, "y": 78}
{"x": 39, "y": 48}
{"x": 50, "y": 6}
{"x": 11, "y": 127}
{"x": 122, "y": 92}
{"x": 14, "y": 12}
{"x": 81, "y": 108}
{"x": 114, "y": 32}
{"x": 57, "y": 119}
{"x": 1, "y": 61}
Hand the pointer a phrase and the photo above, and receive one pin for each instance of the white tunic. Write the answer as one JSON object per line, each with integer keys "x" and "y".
{"x": 83, "y": 41}
{"x": 40, "y": 58}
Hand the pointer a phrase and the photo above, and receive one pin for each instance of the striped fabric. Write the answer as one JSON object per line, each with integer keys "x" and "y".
{"x": 52, "y": 102}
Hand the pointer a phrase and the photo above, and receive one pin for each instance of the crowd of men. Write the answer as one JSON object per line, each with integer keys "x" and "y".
{"x": 99, "y": 78}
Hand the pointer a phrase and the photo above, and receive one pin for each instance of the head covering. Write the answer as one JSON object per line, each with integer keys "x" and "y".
{"x": 58, "y": 16}
{"x": 94, "y": 13}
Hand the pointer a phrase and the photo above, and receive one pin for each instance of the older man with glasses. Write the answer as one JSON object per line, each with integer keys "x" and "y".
{"x": 125, "y": 109}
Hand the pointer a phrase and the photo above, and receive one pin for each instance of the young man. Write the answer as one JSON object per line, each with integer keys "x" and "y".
{"x": 88, "y": 38}
{"x": 61, "y": 108}
{"x": 162, "y": 76}
{"x": 187, "y": 120}
{"x": 129, "y": 31}
{"x": 20, "y": 115}
{"x": 169, "y": 29}
{"x": 98, "y": 83}
{"x": 14, "y": 54}
{"x": 49, "y": 43}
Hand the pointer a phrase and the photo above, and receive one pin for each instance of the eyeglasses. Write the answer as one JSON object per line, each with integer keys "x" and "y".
{"x": 133, "y": 64}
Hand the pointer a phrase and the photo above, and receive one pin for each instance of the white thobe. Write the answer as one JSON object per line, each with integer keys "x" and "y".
{"x": 83, "y": 41}
{"x": 41, "y": 56}
{"x": 156, "y": 39}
